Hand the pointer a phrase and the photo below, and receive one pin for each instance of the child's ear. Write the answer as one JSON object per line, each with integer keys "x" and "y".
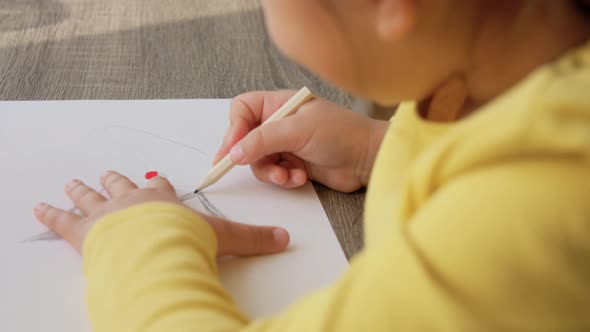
{"x": 395, "y": 19}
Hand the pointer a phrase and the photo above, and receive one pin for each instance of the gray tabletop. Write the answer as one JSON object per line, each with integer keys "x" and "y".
{"x": 155, "y": 49}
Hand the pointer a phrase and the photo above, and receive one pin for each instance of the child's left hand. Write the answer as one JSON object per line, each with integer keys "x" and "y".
{"x": 233, "y": 238}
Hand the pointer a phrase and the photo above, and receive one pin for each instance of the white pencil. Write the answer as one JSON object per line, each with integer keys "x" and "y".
{"x": 226, "y": 164}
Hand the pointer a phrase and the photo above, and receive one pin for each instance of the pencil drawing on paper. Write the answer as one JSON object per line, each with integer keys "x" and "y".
{"x": 147, "y": 133}
{"x": 205, "y": 203}
{"x": 207, "y": 206}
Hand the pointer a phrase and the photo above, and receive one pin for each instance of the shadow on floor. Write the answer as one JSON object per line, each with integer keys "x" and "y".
{"x": 25, "y": 14}
{"x": 210, "y": 57}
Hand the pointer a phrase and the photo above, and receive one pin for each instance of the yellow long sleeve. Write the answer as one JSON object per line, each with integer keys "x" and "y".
{"x": 152, "y": 268}
{"x": 485, "y": 265}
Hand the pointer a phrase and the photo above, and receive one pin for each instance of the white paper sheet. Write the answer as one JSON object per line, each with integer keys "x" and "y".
{"x": 45, "y": 144}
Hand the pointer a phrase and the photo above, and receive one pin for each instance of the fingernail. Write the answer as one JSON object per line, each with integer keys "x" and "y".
{"x": 105, "y": 174}
{"x": 280, "y": 236}
{"x": 274, "y": 178}
{"x": 39, "y": 207}
{"x": 73, "y": 183}
{"x": 236, "y": 154}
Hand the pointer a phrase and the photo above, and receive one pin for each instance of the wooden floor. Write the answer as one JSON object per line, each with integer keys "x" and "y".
{"x": 154, "y": 49}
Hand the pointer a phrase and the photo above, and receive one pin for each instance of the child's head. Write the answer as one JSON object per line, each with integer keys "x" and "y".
{"x": 395, "y": 50}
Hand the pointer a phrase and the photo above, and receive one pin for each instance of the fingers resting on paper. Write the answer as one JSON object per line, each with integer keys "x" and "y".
{"x": 68, "y": 225}
{"x": 237, "y": 239}
{"x": 93, "y": 205}
{"x": 233, "y": 238}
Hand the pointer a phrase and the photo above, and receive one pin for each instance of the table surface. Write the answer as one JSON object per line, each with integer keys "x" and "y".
{"x": 155, "y": 49}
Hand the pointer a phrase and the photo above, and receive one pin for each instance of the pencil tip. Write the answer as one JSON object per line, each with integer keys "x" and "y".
{"x": 196, "y": 191}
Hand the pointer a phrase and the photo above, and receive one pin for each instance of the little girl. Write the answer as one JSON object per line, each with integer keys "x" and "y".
{"x": 478, "y": 204}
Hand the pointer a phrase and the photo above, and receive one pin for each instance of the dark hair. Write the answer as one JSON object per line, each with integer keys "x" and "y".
{"x": 583, "y": 6}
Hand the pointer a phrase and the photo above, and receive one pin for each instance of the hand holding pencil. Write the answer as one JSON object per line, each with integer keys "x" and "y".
{"x": 321, "y": 141}
{"x": 226, "y": 164}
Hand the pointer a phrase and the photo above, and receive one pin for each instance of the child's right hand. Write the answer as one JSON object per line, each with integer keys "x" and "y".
{"x": 322, "y": 142}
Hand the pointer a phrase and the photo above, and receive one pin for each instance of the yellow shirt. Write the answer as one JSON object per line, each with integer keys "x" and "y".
{"x": 479, "y": 225}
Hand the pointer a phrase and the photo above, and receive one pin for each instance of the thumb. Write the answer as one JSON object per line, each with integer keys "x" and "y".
{"x": 236, "y": 239}
{"x": 286, "y": 135}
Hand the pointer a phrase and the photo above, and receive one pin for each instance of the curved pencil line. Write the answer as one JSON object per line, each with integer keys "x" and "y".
{"x": 160, "y": 137}
{"x": 209, "y": 206}
{"x": 45, "y": 236}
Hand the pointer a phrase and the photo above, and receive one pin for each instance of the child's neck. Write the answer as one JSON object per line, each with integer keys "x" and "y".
{"x": 510, "y": 46}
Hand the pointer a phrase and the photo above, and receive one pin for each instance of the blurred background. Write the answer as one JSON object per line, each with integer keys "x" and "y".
{"x": 143, "y": 49}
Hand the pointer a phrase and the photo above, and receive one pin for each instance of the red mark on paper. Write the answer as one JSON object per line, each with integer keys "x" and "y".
{"x": 151, "y": 174}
